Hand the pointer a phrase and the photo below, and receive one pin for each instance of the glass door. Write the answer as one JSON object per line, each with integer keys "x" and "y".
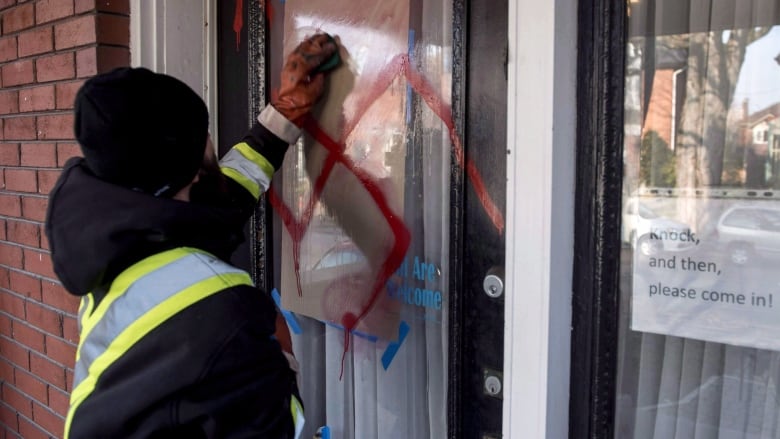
{"x": 377, "y": 235}
{"x": 386, "y": 219}
{"x": 364, "y": 211}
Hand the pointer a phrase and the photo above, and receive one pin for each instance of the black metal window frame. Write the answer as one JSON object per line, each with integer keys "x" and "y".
{"x": 601, "y": 38}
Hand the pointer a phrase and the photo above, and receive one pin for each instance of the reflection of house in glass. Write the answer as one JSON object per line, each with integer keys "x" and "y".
{"x": 760, "y": 139}
{"x": 665, "y": 92}
{"x": 694, "y": 126}
{"x": 752, "y": 150}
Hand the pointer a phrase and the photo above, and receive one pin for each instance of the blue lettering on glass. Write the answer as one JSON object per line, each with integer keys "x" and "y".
{"x": 412, "y": 295}
{"x": 420, "y": 271}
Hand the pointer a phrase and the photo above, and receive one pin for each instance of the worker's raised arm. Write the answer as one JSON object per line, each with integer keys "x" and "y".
{"x": 251, "y": 163}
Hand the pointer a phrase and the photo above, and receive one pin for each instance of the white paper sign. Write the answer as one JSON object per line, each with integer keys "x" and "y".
{"x": 706, "y": 268}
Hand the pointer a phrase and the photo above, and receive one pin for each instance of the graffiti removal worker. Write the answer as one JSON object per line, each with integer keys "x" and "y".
{"x": 174, "y": 341}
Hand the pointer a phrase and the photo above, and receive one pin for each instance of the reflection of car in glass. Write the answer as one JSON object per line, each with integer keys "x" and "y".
{"x": 750, "y": 231}
{"x": 345, "y": 253}
{"x": 651, "y": 233}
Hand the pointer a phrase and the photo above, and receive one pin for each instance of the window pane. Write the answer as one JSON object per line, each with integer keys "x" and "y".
{"x": 388, "y": 378}
{"x": 699, "y": 341}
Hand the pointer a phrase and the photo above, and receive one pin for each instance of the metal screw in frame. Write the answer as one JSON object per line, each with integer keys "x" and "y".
{"x": 493, "y": 284}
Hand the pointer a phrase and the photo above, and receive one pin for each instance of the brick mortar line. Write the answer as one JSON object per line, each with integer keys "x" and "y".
{"x": 30, "y": 168}
{"x": 20, "y": 220}
{"x": 77, "y": 15}
{"x": 31, "y": 274}
{"x": 28, "y": 194}
{"x": 43, "y": 305}
{"x": 20, "y": 390}
{"x": 25, "y": 246}
{"x": 29, "y": 350}
{"x": 2, "y": 402}
{"x": 40, "y": 427}
{"x": 13, "y": 218}
{"x": 60, "y": 20}
{"x": 6, "y": 217}
{"x": 62, "y": 339}
{"x": 28, "y": 299}
{"x": 53, "y": 361}
{"x": 43, "y": 405}
{"x": 57, "y": 52}
{"x": 54, "y": 112}
{"x": 13, "y": 434}
{"x": 16, "y": 366}
{"x": 58, "y": 142}
{"x": 53, "y": 51}
{"x": 36, "y": 84}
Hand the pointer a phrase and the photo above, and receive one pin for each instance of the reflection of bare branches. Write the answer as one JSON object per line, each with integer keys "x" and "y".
{"x": 712, "y": 62}
{"x": 713, "y": 66}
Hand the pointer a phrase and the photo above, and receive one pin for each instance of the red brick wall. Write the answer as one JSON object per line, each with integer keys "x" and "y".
{"x": 47, "y": 49}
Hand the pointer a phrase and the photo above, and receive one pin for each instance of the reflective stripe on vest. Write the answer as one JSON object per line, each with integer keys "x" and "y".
{"x": 297, "y": 414}
{"x": 141, "y": 298}
{"x": 248, "y": 168}
{"x": 85, "y": 309}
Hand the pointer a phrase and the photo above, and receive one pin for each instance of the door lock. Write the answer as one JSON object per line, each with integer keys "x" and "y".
{"x": 492, "y": 383}
{"x": 493, "y": 284}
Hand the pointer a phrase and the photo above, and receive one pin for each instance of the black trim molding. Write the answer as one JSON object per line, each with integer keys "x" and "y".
{"x": 457, "y": 200}
{"x": 600, "y": 65}
{"x": 260, "y": 228}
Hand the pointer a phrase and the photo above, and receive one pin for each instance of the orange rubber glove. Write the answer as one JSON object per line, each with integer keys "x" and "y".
{"x": 301, "y": 87}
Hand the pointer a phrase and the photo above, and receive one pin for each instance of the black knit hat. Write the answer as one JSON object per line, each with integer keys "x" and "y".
{"x": 142, "y": 130}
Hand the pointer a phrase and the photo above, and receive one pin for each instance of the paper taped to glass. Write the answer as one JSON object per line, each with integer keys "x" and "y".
{"x": 345, "y": 186}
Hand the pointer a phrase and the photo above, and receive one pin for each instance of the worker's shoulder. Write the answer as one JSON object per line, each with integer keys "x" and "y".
{"x": 182, "y": 269}
{"x": 199, "y": 268}
{"x": 207, "y": 285}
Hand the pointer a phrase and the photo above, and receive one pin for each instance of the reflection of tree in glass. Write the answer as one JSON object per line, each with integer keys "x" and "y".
{"x": 656, "y": 162}
{"x": 713, "y": 64}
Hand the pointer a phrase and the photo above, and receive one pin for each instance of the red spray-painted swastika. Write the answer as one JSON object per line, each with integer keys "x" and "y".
{"x": 398, "y": 66}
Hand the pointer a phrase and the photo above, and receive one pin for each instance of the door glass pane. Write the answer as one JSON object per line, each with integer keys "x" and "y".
{"x": 364, "y": 201}
{"x": 699, "y": 342}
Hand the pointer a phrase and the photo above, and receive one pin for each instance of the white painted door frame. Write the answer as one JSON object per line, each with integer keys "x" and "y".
{"x": 540, "y": 217}
{"x": 178, "y": 38}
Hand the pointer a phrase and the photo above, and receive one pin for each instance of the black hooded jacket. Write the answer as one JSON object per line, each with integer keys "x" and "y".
{"x": 213, "y": 369}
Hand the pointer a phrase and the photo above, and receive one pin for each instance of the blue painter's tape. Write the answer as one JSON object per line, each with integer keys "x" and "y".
{"x": 392, "y": 348}
{"x": 323, "y": 432}
{"x": 288, "y": 316}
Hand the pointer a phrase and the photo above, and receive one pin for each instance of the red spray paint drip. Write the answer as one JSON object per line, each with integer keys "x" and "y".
{"x": 398, "y": 66}
{"x": 238, "y": 22}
